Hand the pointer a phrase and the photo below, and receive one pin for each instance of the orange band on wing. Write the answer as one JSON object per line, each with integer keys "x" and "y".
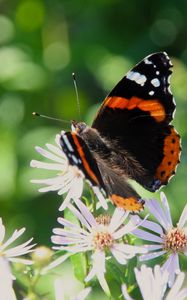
{"x": 153, "y": 106}
{"x": 172, "y": 151}
{"x": 85, "y": 163}
{"x": 130, "y": 204}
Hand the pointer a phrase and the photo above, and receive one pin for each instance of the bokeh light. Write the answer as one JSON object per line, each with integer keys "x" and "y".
{"x": 30, "y": 15}
{"x": 6, "y": 29}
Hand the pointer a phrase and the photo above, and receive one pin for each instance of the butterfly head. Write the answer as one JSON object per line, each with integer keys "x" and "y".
{"x": 78, "y": 127}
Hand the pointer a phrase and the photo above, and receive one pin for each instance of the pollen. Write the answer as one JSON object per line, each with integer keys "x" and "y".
{"x": 103, "y": 219}
{"x": 175, "y": 240}
{"x": 102, "y": 238}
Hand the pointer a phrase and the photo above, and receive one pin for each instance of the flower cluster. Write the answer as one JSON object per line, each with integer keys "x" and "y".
{"x": 112, "y": 238}
{"x": 153, "y": 285}
{"x": 8, "y": 255}
{"x": 104, "y": 246}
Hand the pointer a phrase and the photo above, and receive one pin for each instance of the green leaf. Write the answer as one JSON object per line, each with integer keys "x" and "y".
{"x": 79, "y": 266}
{"x": 70, "y": 216}
{"x": 130, "y": 276}
{"x": 113, "y": 271}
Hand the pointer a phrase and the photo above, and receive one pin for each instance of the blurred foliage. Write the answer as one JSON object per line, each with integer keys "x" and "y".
{"x": 41, "y": 44}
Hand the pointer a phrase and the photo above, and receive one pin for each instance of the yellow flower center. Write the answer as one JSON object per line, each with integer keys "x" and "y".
{"x": 103, "y": 219}
{"x": 175, "y": 240}
{"x": 102, "y": 239}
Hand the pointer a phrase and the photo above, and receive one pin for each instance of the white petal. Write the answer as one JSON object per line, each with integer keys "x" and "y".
{"x": 151, "y": 255}
{"x": 183, "y": 218}
{"x": 125, "y": 293}
{"x": 172, "y": 267}
{"x": 56, "y": 150}
{"x": 48, "y": 166}
{"x": 49, "y": 155}
{"x": 83, "y": 294}
{"x": 86, "y": 213}
{"x": 69, "y": 234}
{"x": 99, "y": 267}
{"x": 73, "y": 226}
{"x": 75, "y": 192}
{"x": 20, "y": 249}
{"x": 182, "y": 295}
{"x": 145, "y": 235}
{"x": 2, "y": 231}
{"x": 21, "y": 260}
{"x": 79, "y": 216}
{"x": 75, "y": 248}
{"x": 57, "y": 139}
{"x": 158, "y": 212}
{"x": 6, "y": 282}
{"x": 56, "y": 263}
{"x": 166, "y": 208}
{"x": 77, "y": 187}
{"x": 153, "y": 247}
{"x": 119, "y": 256}
{"x": 15, "y": 236}
{"x": 129, "y": 227}
{"x": 100, "y": 197}
{"x": 91, "y": 274}
{"x": 152, "y": 284}
{"x": 148, "y": 224}
{"x": 66, "y": 202}
{"x": 59, "y": 180}
{"x": 51, "y": 188}
{"x": 174, "y": 291}
{"x": 130, "y": 249}
{"x": 62, "y": 190}
{"x": 59, "y": 289}
{"x": 118, "y": 217}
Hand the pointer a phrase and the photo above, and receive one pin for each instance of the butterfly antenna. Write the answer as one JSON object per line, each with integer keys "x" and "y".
{"x": 50, "y": 118}
{"x": 77, "y": 95}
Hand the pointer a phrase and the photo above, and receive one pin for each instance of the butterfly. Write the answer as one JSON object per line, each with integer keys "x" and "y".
{"x": 131, "y": 136}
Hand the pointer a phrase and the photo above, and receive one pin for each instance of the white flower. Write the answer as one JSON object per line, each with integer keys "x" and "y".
{"x": 164, "y": 237}
{"x": 96, "y": 235}
{"x": 60, "y": 295}
{"x": 8, "y": 255}
{"x": 69, "y": 179}
{"x": 153, "y": 284}
{"x": 6, "y": 281}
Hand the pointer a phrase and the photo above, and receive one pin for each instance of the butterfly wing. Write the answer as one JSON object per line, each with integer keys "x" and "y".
{"x": 79, "y": 155}
{"x": 137, "y": 115}
{"x": 119, "y": 190}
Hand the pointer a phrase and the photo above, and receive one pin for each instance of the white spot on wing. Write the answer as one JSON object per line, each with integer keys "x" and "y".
{"x": 155, "y": 82}
{"x": 157, "y": 72}
{"x": 147, "y": 61}
{"x": 137, "y": 77}
{"x": 151, "y": 93}
{"x": 73, "y": 129}
{"x": 67, "y": 143}
{"x": 75, "y": 159}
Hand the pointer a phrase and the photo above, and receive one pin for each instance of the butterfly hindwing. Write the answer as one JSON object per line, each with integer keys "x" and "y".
{"x": 119, "y": 190}
{"x": 79, "y": 155}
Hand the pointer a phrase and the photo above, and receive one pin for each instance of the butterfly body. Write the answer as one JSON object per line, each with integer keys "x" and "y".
{"x": 131, "y": 136}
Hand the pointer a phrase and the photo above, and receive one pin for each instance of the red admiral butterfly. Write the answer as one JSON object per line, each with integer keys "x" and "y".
{"x": 131, "y": 136}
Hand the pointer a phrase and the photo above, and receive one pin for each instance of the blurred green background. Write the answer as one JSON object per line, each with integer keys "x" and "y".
{"x": 41, "y": 44}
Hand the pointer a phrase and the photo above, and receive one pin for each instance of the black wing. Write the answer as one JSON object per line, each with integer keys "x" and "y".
{"x": 136, "y": 115}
